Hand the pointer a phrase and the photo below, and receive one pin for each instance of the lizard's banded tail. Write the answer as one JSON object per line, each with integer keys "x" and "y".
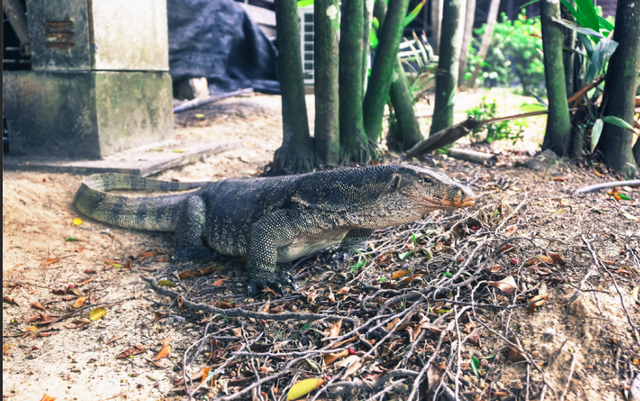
{"x": 158, "y": 213}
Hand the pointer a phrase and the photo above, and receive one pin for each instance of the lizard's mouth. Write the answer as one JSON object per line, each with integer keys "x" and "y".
{"x": 447, "y": 204}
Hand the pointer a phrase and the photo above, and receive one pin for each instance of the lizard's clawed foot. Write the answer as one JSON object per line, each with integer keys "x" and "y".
{"x": 257, "y": 286}
{"x": 339, "y": 260}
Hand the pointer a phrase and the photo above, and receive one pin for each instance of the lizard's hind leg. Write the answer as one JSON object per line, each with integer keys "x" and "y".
{"x": 189, "y": 241}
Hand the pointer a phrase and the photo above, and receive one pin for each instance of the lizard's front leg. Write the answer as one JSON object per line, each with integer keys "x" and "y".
{"x": 188, "y": 238}
{"x": 355, "y": 239}
{"x": 272, "y": 231}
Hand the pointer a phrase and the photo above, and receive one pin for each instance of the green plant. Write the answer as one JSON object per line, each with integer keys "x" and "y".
{"x": 513, "y": 41}
{"x": 511, "y": 130}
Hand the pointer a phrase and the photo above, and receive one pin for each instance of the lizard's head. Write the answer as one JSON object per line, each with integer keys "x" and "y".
{"x": 429, "y": 190}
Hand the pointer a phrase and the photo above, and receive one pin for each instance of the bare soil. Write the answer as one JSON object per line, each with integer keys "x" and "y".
{"x": 49, "y": 264}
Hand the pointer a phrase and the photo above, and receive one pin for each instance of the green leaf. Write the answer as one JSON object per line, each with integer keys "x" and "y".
{"x": 587, "y": 43}
{"x": 375, "y": 23}
{"x": 599, "y": 58}
{"x": 529, "y": 107}
{"x": 373, "y": 38}
{"x": 574, "y": 12}
{"x": 579, "y": 29}
{"x": 529, "y": 3}
{"x": 605, "y": 23}
{"x": 404, "y": 255}
{"x": 447, "y": 274}
{"x": 475, "y": 364}
{"x": 305, "y": 3}
{"x": 358, "y": 265}
{"x": 414, "y": 13}
{"x": 595, "y": 133}
{"x": 625, "y": 197}
{"x": 588, "y": 11}
{"x": 71, "y": 239}
{"x": 617, "y": 121}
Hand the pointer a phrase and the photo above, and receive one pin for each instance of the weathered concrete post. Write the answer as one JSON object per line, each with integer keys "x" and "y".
{"x": 99, "y": 82}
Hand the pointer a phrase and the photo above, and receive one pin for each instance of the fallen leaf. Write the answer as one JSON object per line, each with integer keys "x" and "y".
{"x": 36, "y": 305}
{"x": 512, "y": 230}
{"x": 81, "y": 322}
{"x": 555, "y": 257}
{"x": 163, "y": 353}
{"x": 205, "y": 373}
{"x": 187, "y": 274}
{"x": 165, "y": 283}
{"x": 157, "y": 316}
{"x": 5, "y": 348}
{"x": 329, "y": 359}
{"x": 539, "y": 259}
{"x": 90, "y": 272}
{"x": 331, "y": 297}
{"x": 596, "y": 172}
{"x": 50, "y": 261}
{"x": 161, "y": 259}
{"x": 47, "y": 397}
{"x": 334, "y": 331}
{"x": 77, "y": 221}
{"x": 506, "y": 248}
{"x": 495, "y": 268}
{"x": 167, "y": 340}
{"x": 629, "y": 216}
{"x": 144, "y": 255}
{"x": 112, "y": 339}
{"x": 634, "y": 294}
{"x": 138, "y": 349}
{"x": 353, "y": 367}
{"x": 32, "y": 328}
{"x": 540, "y": 299}
{"x": 237, "y": 332}
{"x": 9, "y": 301}
{"x": 79, "y": 302}
{"x": 506, "y": 285}
{"x": 343, "y": 290}
{"x": 219, "y": 282}
{"x": 392, "y": 323}
{"x": 97, "y": 313}
{"x": 513, "y": 355}
{"x": 303, "y": 388}
{"x": 347, "y": 361}
{"x": 414, "y": 332}
{"x": 400, "y": 273}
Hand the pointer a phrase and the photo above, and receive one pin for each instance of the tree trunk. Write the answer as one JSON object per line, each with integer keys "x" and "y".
{"x": 383, "y": 66}
{"x": 568, "y": 56}
{"x": 354, "y": 145}
{"x": 327, "y": 126}
{"x": 558, "y": 130}
{"x": 470, "y": 14}
{"x": 436, "y": 23}
{"x": 486, "y": 41}
{"x": 620, "y": 89}
{"x": 366, "y": 33}
{"x": 448, "y": 62}
{"x": 408, "y": 133}
{"x": 296, "y": 155}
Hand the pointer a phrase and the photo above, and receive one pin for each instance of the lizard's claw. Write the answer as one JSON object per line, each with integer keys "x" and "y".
{"x": 339, "y": 260}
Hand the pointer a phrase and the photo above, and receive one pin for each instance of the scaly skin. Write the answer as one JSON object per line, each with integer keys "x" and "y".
{"x": 276, "y": 219}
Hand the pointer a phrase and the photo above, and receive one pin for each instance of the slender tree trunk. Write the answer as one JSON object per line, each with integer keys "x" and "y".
{"x": 448, "y": 62}
{"x": 383, "y": 66}
{"x": 558, "y": 130}
{"x": 486, "y": 41}
{"x": 326, "y": 45}
{"x": 296, "y": 155}
{"x": 470, "y": 15}
{"x": 366, "y": 32}
{"x": 436, "y": 23}
{"x": 408, "y": 132}
{"x": 620, "y": 90}
{"x": 354, "y": 145}
{"x": 567, "y": 56}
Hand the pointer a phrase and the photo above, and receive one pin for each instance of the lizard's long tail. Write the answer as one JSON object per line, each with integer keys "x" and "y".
{"x": 147, "y": 213}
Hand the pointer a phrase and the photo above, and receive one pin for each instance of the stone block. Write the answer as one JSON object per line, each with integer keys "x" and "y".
{"x": 85, "y": 115}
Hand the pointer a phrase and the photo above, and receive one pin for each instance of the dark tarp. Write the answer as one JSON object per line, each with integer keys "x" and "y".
{"x": 216, "y": 39}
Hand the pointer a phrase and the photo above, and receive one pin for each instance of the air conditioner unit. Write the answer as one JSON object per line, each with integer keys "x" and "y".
{"x": 306, "y": 43}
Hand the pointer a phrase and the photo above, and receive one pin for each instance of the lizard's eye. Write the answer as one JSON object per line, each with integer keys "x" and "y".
{"x": 427, "y": 180}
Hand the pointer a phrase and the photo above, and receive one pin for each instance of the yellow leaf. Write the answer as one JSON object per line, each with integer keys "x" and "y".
{"x": 80, "y": 302}
{"x": 97, "y": 313}
{"x": 635, "y": 295}
{"x": 199, "y": 115}
{"x": 166, "y": 283}
{"x": 303, "y": 387}
{"x": 629, "y": 216}
{"x": 32, "y": 328}
{"x": 77, "y": 222}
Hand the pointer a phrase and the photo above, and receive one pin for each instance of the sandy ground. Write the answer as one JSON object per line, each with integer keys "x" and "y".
{"x": 46, "y": 257}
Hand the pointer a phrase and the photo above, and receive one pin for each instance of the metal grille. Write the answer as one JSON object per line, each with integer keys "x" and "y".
{"x": 306, "y": 36}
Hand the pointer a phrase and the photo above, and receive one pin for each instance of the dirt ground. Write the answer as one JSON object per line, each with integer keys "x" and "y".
{"x": 52, "y": 267}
